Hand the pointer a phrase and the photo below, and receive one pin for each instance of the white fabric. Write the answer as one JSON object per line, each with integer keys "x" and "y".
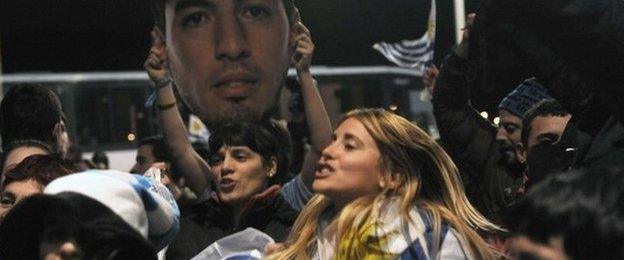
{"x": 143, "y": 203}
{"x": 246, "y": 243}
{"x": 390, "y": 222}
{"x": 114, "y": 193}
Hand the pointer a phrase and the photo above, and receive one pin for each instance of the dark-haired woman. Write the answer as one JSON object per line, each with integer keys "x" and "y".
{"x": 18, "y": 150}
{"x": 29, "y": 177}
{"x": 247, "y": 166}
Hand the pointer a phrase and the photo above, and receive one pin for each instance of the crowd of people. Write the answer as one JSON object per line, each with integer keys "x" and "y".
{"x": 542, "y": 183}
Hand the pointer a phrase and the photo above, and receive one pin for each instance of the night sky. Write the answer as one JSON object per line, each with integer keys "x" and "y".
{"x": 112, "y": 35}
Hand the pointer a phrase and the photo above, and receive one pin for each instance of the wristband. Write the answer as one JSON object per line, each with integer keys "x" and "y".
{"x": 166, "y": 106}
{"x": 151, "y": 99}
{"x": 162, "y": 84}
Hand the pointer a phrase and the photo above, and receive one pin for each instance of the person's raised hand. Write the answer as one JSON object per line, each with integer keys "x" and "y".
{"x": 304, "y": 47}
{"x": 429, "y": 78}
{"x": 165, "y": 178}
{"x": 466, "y": 30}
{"x": 156, "y": 63}
{"x": 462, "y": 49}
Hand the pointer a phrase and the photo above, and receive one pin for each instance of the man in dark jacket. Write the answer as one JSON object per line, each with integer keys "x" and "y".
{"x": 485, "y": 154}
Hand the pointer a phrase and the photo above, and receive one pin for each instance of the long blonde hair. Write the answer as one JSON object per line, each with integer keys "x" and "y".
{"x": 427, "y": 178}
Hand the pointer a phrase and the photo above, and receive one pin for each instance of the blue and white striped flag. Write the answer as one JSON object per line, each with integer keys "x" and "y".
{"x": 416, "y": 54}
{"x": 198, "y": 132}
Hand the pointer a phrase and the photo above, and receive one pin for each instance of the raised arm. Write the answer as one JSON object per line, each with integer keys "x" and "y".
{"x": 319, "y": 125}
{"x": 461, "y": 127}
{"x": 193, "y": 167}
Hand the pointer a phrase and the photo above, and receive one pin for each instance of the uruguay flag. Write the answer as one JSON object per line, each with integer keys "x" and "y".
{"x": 416, "y": 54}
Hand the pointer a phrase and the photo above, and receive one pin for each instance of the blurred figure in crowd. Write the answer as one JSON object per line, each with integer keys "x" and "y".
{"x": 153, "y": 152}
{"x": 100, "y": 160}
{"x": 386, "y": 190}
{"x": 92, "y": 215}
{"x": 74, "y": 156}
{"x": 30, "y": 177}
{"x": 150, "y": 150}
{"x": 32, "y": 111}
{"x": 576, "y": 215}
{"x": 542, "y": 128}
{"x": 486, "y": 154}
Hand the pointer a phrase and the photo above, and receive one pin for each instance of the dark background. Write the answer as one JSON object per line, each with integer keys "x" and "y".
{"x": 112, "y": 35}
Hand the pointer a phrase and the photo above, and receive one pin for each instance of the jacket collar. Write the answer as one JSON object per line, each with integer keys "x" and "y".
{"x": 258, "y": 212}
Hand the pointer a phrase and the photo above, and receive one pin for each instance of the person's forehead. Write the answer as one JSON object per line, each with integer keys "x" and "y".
{"x": 19, "y": 154}
{"x": 235, "y": 148}
{"x": 354, "y": 129}
{"x": 24, "y": 187}
{"x": 506, "y": 116}
{"x": 176, "y": 5}
{"x": 548, "y": 123}
{"x": 25, "y": 151}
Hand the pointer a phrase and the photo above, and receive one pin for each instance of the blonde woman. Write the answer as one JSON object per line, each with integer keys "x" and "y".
{"x": 386, "y": 190}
